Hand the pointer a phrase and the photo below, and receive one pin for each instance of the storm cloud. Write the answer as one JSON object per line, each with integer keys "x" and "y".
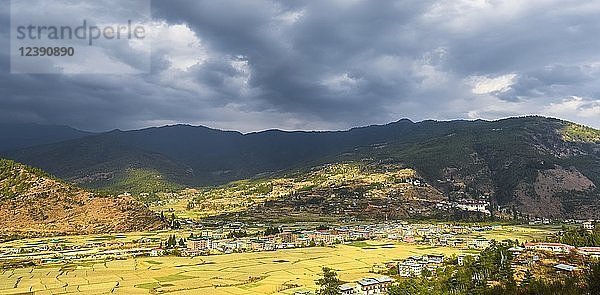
{"x": 332, "y": 64}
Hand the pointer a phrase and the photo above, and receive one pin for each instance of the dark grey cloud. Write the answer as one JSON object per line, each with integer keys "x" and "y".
{"x": 333, "y": 64}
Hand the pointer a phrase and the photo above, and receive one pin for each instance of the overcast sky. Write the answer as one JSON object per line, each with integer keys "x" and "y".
{"x": 332, "y": 64}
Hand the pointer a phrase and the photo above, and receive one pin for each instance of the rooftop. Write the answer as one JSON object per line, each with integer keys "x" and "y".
{"x": 565, "y": 267}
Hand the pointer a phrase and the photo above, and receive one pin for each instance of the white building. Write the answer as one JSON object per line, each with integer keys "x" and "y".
{"x": 373, "y": 286}
{"x": 410, "y": 269}
{"x": 474, "y": 206}
{"x": 478, "y": 243}
{"x": 435, "y": 258}
{"x": 550, "y": 247}
{"x": 565, "y": 267}
{"x": 347, "y": 289}
{"x": 593, "y": 252}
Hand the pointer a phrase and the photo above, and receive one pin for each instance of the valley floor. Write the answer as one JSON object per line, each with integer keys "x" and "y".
{"x": 239, "y": 273}
{"x": 269, "y": 272}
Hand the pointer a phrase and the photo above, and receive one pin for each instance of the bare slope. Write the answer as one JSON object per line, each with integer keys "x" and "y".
{"x": 34, "y": 203}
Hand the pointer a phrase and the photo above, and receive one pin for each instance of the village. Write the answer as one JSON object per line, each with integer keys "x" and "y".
{"x": 527, "y": 247}
{"x": 239, "y": 237}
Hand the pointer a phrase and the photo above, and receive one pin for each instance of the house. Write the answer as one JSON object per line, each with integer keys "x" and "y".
{"x": 478, "y": 243}
{"x": 456, "y": 242}
{"x": 565, "y": 267}
{"x": 288, "y": 237}
{"x": 410, "y": 269}
{"x": 414, "y": 258}
{"x": 589, "y": 225}
{"x": 409, "y": 239}
{"x": 373, "y": 286}
{"x": 199, "y": 244}
{"x": 474, "y": 206}
{"x": 593, "y": 252}
{"x": 516, "y": 249}
{"x": 550, "y": 247}
{"x": 435, "y": 258}
{"x": 347, "y": 289}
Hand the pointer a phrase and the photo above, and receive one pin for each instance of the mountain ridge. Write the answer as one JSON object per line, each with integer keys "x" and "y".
{"x": 16, "y": 136}
{"x": 502, "y": 159}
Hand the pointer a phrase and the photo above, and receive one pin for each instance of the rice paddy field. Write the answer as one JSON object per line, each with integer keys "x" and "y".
{"x": 521, "y": 233}
{"x": 280, "y": 272}
{"x": 276, "y": 272}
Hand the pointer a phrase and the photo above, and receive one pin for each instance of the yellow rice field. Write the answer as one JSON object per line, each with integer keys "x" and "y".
{"x": 243, "y": 273}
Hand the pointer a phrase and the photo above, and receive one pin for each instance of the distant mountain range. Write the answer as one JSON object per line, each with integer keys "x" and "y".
{"x": 543, "y": 166}
{"x": 16, "y": 136}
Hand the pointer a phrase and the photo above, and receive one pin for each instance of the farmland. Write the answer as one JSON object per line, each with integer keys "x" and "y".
{"x": 268, "y": 272}
{"x": 239, "y": 273}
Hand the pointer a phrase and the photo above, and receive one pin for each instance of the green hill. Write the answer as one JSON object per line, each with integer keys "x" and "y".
{"x": 542, "y": 166}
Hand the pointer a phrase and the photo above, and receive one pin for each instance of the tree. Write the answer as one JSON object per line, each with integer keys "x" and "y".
{"x": 329, "y": 284}
{"x": 527, "y": 279}
{"x": 593, "y": 279}
{"x": 270, "y": 231}
{"x": 409, "y": 287}
{"x": 171, "y": 242}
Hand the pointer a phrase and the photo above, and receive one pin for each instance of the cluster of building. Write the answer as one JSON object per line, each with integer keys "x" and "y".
{"x": 364, "y": 286}
{"x": 368, "y": 286}
{"x": 557, "y": 255}
{"x": 429, "y": 234}
{"x": 222, "y": 240}
{"x": 473, "y": 205}
{"x": 558, "y": 248}
{"x": 209, "y": 241}
{"x": 414, "y": 265}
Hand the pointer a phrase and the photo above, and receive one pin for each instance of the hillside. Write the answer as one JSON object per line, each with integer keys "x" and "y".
{"x": 195, "y": 156}
{"x": 32, "y": 203}
{"x": 328, "y": 192}
{"x": 526, "y": 163}
{"x": 534, "y": 165}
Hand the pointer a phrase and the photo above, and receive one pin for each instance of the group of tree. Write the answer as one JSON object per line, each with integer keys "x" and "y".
{"x": 491, "y": 274}
{"x": 578, "y": 237}
{"x": 329, "y": 284}
{"x": 238, "y": 234}
{"x": 172, "y": 242}
{"x": 270, "y": 231}
{"x": 173, "y": 222}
